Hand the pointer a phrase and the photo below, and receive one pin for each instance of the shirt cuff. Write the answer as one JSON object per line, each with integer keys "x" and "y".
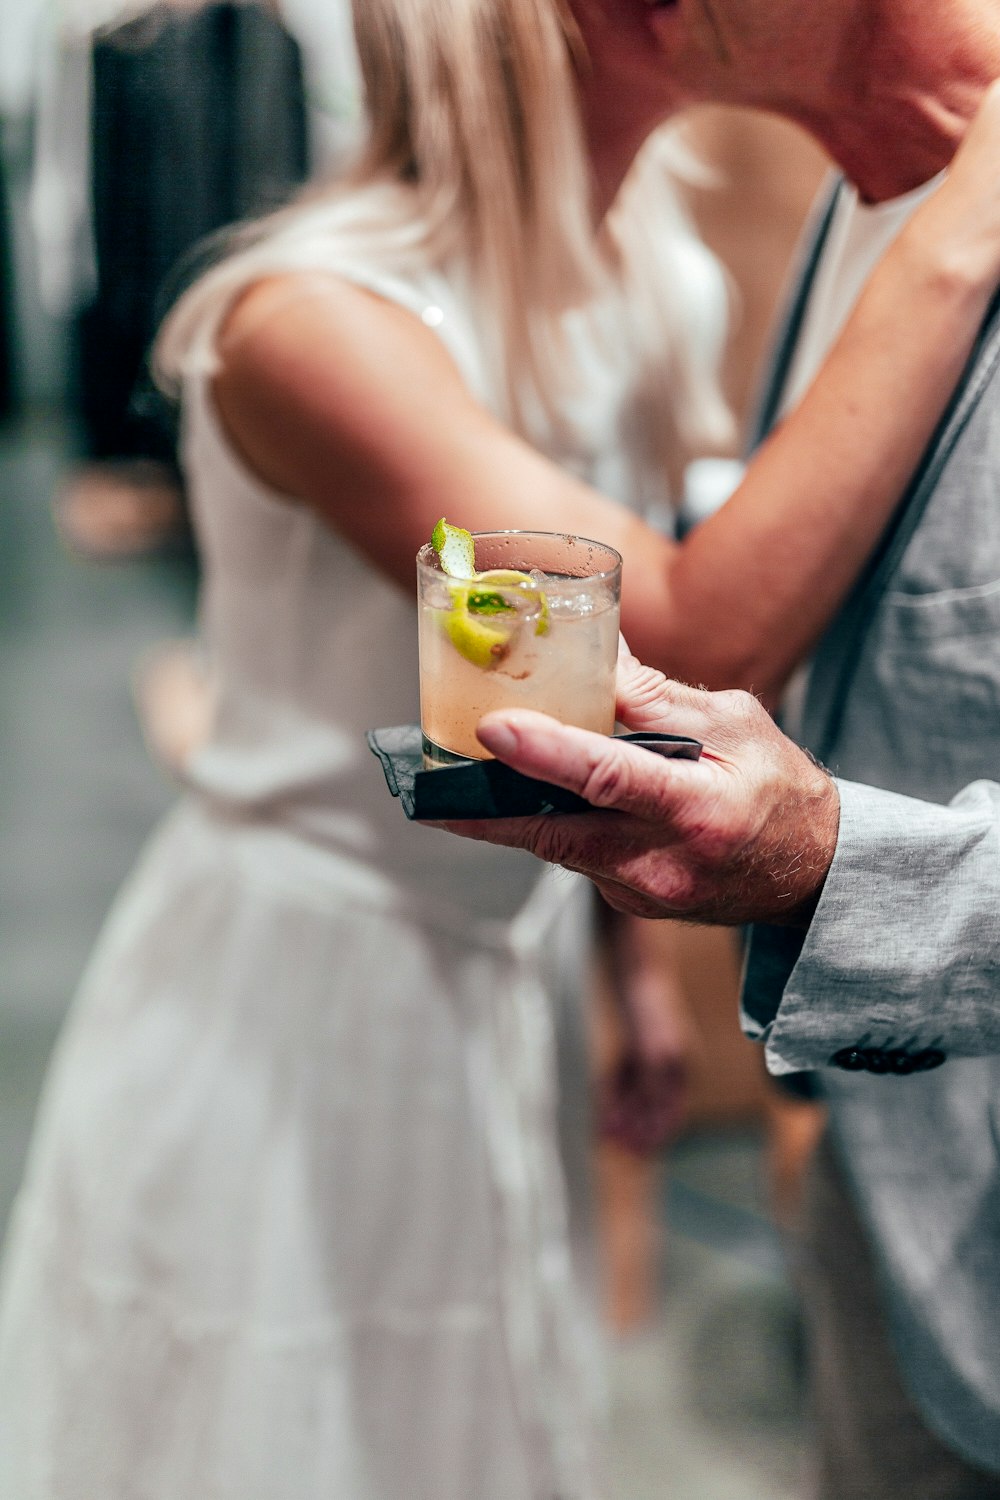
{"x": 902, "y": 955}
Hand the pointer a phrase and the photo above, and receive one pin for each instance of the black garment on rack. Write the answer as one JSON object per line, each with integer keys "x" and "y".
{"x": 198, "y": 121}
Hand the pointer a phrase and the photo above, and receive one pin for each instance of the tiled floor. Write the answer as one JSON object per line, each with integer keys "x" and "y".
{"x": 706, "y": 1404}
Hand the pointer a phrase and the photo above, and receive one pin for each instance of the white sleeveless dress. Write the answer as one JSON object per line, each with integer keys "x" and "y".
{"x": 294, "y": 1222}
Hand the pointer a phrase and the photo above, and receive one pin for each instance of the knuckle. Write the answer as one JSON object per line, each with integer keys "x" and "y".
{"x": 740, "y": 706}
{"x": 646, "y": 685}
{"x": 553, "y": 839}
{"x": 608, "y": 780}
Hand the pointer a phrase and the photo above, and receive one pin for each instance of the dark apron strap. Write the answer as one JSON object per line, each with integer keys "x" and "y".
{"x": 785, "y": 344}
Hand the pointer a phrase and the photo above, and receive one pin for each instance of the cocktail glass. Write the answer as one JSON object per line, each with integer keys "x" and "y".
{"x": 548, "y": 642}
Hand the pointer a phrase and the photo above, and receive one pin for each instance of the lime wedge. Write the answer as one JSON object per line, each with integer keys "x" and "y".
{"x": 486, "y": 602}
{"x": 482, "y": 644}
{"x": 479, "y": 599}
{"x": 455, "y": 548}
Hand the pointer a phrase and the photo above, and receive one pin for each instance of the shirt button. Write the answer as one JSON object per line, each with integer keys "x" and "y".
{"x": 931, "y": 1057}
{"x": 851, "y": 1059}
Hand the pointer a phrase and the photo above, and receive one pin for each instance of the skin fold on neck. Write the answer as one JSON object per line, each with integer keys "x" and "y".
{"x": 904, "y": 90}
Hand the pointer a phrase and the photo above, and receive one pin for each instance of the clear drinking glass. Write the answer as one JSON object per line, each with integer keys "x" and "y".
{"x": 548, "y": 641}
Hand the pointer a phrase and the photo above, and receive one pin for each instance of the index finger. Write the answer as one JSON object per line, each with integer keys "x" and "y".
{"x": 648, "y": 700}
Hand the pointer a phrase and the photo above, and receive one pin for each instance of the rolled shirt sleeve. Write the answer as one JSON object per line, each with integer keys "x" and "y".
{"x": 902, "y": 957}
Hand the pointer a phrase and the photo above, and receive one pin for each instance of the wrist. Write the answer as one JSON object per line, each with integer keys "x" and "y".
{"x": 808, "y": 854}
{"x": 821, "y": 827}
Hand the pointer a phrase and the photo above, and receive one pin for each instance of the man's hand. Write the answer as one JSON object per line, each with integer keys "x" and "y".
{"x": 745, "y": 834}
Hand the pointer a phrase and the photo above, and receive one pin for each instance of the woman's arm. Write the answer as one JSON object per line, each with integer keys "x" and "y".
{"x": 349, "y": 403}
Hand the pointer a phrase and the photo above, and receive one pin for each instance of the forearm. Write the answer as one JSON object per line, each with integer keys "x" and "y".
{"x": 337, "y": 399}
{"x": 750, "y": 591}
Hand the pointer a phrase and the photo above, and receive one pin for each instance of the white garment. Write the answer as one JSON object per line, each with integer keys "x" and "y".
{"x": 858, "y": 237}
{"x": 294, "y": 1223}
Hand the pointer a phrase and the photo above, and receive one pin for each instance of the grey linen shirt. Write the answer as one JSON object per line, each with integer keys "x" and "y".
{"x": 892, "y": 995}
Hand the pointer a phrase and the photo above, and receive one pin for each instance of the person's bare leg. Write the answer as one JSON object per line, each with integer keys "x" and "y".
{"x": 630, "y": 1231}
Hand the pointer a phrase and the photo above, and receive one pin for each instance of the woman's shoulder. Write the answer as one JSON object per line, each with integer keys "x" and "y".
{"x": 317, "y": 378}
{"x": 372, "y": 238}
{"x": 332, "y": 291}
{"x": 316, "y": 333}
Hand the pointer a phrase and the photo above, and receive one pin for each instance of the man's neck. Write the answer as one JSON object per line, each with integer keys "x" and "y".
{"x": 894, "y": 118}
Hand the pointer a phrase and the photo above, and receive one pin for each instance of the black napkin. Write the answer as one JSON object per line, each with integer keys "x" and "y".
{"x": 485, "y": 788}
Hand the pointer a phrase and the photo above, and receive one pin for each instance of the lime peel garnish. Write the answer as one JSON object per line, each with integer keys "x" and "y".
{"x": 455, "y": 549}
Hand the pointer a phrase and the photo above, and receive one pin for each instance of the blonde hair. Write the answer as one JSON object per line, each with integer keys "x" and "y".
{"x": 474, "y": 155}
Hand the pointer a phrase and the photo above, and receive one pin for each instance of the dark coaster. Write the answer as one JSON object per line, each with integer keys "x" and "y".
{"x": 485, "y": 788}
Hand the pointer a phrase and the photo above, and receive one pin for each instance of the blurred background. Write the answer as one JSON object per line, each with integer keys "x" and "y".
{"x": 97, "y": 579}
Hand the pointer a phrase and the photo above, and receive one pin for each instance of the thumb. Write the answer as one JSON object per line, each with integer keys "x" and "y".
{"x": 606, "y": 772}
